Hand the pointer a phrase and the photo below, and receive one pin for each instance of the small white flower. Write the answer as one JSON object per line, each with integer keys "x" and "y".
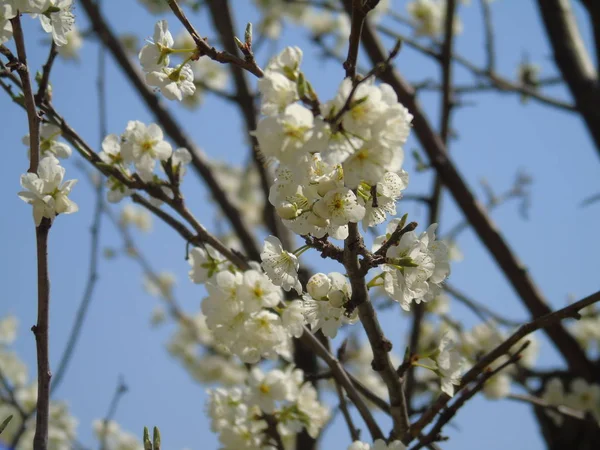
{"x": 144, "y": 145}
{"x": 70, "y": 50}
{"x": 58, "y": 20}
{"x": 46, "y": 191}
{"x": 266, "y": 390}
{"x": 205, "y": 263}
{"x": 283, "y": 136}
{"x": 7, "y": 11}
{"x": 155, "y": 55}
{"x": 340, "y": 206}
{"x": 49, "y": 144}
{"x": 450, "y": 365}
{"x": 175, "y": 84}
{"x": 280, "y": 266}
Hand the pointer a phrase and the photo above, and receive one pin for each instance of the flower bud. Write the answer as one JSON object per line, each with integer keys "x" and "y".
{"x": 318, "y": 286}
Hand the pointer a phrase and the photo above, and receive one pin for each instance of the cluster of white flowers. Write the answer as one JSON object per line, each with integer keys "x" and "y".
{"x": 46, "y": 191}
{"x": 379, "y": 444}
{"x": 113, "y": 437}
{"x": 238, "y": 413}
{"x": 62, "y": 428}
{"x": 139, "y": 148}
{"x": 415, "y": 267}
{"x": 55, "y": 17}
{"x": 175, "y": 83}
{"x": 330, "y": 161}
{"x": 429, "y": 17}
{"x": 582, "y": 396}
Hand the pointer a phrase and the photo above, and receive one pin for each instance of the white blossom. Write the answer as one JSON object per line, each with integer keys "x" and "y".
{"x": 155, "y": 55}
{"x": 175, "y": 84}
{"x": 49, "y": 143}
{"x": 58, "y": 19}
{"x": 70, "y": 50}
{"x": 283, "y": 136}
{"x": 7, "y": 11}
{"x": 144, "y": 145}
{"x": 46, "y": 191}
{"x": 280, "y": 266}
{"x": 205, "y": 262}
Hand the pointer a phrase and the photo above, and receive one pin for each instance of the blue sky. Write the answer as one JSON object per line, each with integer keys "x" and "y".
{"x": 497, "y": 136}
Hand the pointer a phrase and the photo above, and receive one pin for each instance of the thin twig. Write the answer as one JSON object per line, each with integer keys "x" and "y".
{"x": 43, "y": 89}
{"x": 120, "y": 390}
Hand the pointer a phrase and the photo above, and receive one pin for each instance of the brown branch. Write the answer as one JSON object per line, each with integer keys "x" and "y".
{"x": 573, "y": 60}
{"x": 483, "y": 226}
{"x": 379, "y": 344}
{"x": 172, "y": 128}
{"x": 40, "y": 330}
{"x": 224, "y": 57}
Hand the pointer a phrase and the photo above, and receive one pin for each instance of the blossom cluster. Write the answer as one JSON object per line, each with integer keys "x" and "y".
{"x": 175, "y": 83}
{"x": 331, "y": 159}
{"x": 138, "y": 149}
{"x": 241, "y": 414}
{"x": 56, "y": 17}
